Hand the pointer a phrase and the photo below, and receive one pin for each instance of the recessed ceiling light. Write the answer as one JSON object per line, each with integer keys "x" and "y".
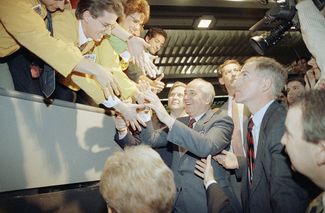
{"x": 169, "y": 85}
{"x": 204, "y": 23}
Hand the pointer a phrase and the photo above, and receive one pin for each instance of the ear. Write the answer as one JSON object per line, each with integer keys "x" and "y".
{"x": 320, "y": 156}
{"x": 221, "y": 81}
{"x": 146, "y": 39}
{"x": 86, "y": 16}
{"x": 208, "y": 100}
{"x": 267, "y": 84}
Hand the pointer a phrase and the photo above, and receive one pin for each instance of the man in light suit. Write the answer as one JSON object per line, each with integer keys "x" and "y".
{"x": 227, "y": 73}
{"x": 268, "y": 184}
{"x": 211, "y": 134}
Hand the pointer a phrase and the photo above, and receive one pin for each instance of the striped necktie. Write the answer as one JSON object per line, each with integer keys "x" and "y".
{"x": 250, "y": 150}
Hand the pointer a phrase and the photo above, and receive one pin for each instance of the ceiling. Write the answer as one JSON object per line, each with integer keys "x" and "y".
{"x": 190, "y": 52}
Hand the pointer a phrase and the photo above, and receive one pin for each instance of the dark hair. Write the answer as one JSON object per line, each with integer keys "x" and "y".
{"x": 152, "y": 32}
{"x": 299, "y": 78}
{"x": 97, "y": 7}
{"x": 313, "y": 115}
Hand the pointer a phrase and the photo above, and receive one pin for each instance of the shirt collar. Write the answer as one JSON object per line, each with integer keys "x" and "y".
{"x": 258, "y": 116}
{"x": 82, "y": 37}
{"x": 198, "y": 117}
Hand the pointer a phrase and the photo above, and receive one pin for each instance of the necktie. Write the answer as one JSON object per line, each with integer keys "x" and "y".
{"x": 191, "y": 122}
{"x": 182, "y": 150}
{"x": 250, "y": 150}
{"x": 47, "y": 78}
{"x": 236, "y": 141}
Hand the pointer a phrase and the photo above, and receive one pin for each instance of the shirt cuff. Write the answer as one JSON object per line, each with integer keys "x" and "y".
{"x": 145, "y": 116}
{"x": 110, "y": 102}
{"x": 122, "y": 134}
{"x": 209, "y": 183}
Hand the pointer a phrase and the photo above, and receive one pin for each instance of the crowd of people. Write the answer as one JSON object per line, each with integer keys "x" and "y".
{"x": 246, "y": 156}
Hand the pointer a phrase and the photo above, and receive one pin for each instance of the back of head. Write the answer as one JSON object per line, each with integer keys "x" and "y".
{"x": 270, "y": 68}
{"x": 98, "y": 7}
{"x": 137, "y": 180}
{"x": 152, "y": 32}
{"x": 313, "y": 115}
{"x": 205, "y": 87}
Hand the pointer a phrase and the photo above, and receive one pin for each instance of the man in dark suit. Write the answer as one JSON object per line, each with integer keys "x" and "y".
{"x": 268, "y": 184}
{"x": 209, "y": 133}
{"x": 304, "y": 139}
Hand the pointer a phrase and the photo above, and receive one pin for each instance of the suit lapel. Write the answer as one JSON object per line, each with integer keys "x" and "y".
{"x": 199, "y": 126}
{"x": 258, "y": 170}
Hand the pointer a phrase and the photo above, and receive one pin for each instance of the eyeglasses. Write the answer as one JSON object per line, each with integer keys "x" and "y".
{"x": 107, "y": 26}
{"x": 137, "y": 21}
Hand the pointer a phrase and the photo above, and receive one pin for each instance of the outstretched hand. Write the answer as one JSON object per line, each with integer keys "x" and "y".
{"x": 204, "y": 169}
{"x": 129, "y": 113}
{"x": 227, "y": 160}
{"x": 155, "y": 103}
{"x": 140, "y": 57}
{"x": 157, "y": 84}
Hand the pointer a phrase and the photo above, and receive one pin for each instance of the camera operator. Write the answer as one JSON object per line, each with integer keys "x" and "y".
{"x": 312, "y": 23}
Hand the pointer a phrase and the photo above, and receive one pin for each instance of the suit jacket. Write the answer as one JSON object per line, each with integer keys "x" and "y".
{"x": 66, "y": 27}
{"x": 210, "y": 135}
{"x": 218, "y": 200}
{"x": 273, "y": 188}
{"x": 132, "y": 139}
{"x": 244, "y": 114}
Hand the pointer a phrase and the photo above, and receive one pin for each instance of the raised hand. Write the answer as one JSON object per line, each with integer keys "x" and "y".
{"x": 227, "y": 160}
{"x": 136, "y": 47}
{"x": 155, "y": 103}
{"x": 157, "y": 84}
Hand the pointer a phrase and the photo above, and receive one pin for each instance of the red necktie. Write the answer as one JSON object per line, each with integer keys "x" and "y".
{"x": 191, "y": 122}
{"x": 250, "y": 150}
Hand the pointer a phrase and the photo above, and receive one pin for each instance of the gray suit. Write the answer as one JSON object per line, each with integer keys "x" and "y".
{"x": 273, "y": 188}
{"x": 211, "y": 134}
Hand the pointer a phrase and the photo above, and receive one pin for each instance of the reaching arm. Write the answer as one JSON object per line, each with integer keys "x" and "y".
{"x": 312, "y": 24}
{"x": 152, "y": 137}
{"x": 136, "y": 47}
{"x": 22, "y": 26}
{"x": 211, "y": 140}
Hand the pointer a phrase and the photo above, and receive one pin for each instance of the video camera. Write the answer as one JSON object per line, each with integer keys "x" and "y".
{"x": 283, "y": 17}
